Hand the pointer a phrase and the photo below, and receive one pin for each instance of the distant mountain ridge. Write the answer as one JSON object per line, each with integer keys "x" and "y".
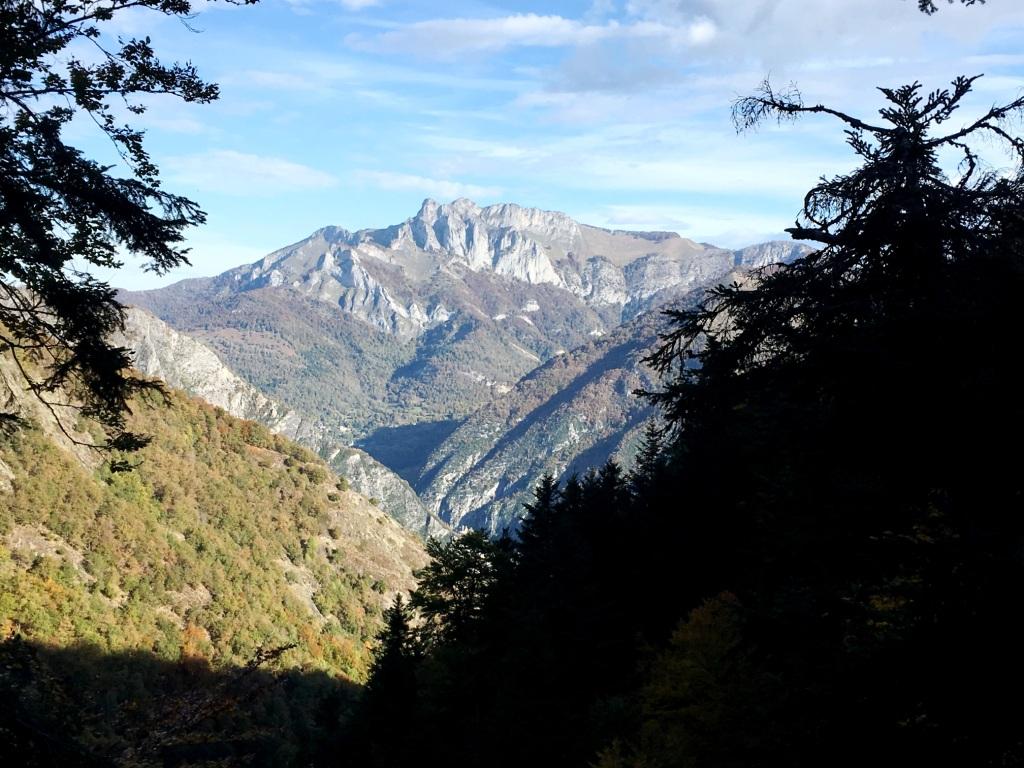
{"x": 370, "y": 335}
{"x": 389, "y": 277}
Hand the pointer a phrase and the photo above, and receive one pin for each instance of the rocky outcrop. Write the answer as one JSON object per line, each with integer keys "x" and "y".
{"x": 163, "y": 353}
{"x": 393, "y": 494}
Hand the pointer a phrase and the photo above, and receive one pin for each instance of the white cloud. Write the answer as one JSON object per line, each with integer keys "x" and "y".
{"x": 600, "y": 9}
{"x": 439, "y": 188}
{"x": 303, "y": 6}
{"x": 320, "y": 75}
{"x": 444, "y": 38}
{"x": 778, "y": 32}
{"x": 237, "y": 173}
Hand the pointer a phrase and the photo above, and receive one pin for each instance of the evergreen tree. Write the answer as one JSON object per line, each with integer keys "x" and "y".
{"x": 454, "y": 588}
{"x": 537, "y": 527}
{"x": 391, "y": 688}
{"x": 392, "y": 676}
{"x": 842, "y": 440}
{"x": 649, "y": 461}
{"x": 62, "y": 213}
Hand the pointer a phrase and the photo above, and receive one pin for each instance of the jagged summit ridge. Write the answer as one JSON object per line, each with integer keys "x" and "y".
{"x": 412, "y": 276}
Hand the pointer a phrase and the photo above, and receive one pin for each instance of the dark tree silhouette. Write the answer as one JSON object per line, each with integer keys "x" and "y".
{"x": 886, "y": 229}
{"x": 62, "y": 213}
{"x": 389, "y": 698}
{"x": 397, "y": 649}
{"x": 843, "y": 441}
{"x": 650, "y": 463}
{"x": 455, "y": 586}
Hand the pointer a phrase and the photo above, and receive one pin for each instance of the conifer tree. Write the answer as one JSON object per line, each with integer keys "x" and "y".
{"x": 397, "y": 648}
{"x": 63, "y": 213}
{"x": 537, "y": 527}
{"x": 649, "y": 460}
{"x": 841, "y": 439}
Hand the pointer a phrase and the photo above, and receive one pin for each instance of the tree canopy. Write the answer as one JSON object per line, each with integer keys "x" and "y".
{"x": 63, "y": 213}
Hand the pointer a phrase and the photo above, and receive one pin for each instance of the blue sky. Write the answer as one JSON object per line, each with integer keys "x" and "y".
{"x": 350, "y": 112}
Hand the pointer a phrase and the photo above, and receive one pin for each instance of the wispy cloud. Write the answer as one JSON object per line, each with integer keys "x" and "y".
{"x": 718, "y": 164}
{"x": 445, "y": 38}
{"x": 237, "y": 173}
{"x": 319, "y": 75}
{"x": 440, "y": 188}
{"x": 304, "y": 6}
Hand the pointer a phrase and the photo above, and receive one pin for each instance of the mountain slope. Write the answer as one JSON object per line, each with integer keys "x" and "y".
{"x": 568, "y": 416}
{"x": 224, "y": 539}
{"x": 186, "y": 363}
{"x": 429, "y": 319}
{"x": 571, "y": 414}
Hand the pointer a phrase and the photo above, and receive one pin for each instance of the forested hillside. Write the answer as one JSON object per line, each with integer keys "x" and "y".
{"x": 126, "y": 597}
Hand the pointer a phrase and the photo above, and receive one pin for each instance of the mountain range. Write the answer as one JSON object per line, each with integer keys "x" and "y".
{"x": 467, "y": 349}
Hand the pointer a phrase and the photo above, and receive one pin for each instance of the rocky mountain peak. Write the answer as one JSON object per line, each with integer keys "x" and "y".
{"x": 389, "y": 277}
{"x": 428, "y": 211}
{"x": 463, "y": 206}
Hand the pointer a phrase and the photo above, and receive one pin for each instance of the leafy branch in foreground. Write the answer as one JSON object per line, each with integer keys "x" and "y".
{"x": 62, "y": 213}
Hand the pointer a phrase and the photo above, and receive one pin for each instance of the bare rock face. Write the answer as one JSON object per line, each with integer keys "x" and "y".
{"x": 379, "y": 484}
{"x": 6, "y": 478}
{"x": 386, "y": 277}
{"x": 181, "y": 361}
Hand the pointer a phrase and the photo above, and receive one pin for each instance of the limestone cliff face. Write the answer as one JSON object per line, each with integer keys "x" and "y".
{"x": 379, "y": 484}
{"x": 183, "y": 362}
{"x": 387, "y": 277}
